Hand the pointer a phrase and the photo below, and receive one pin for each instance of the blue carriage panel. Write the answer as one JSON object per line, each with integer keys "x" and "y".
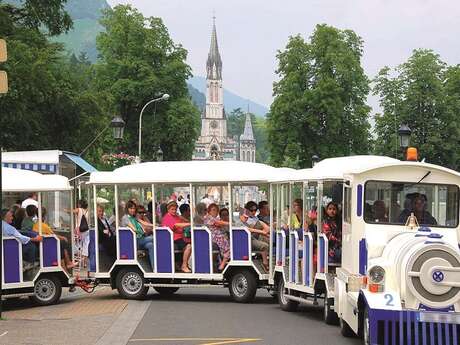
{"x": 126, "y": 240}
{"x": 12, "y": 261}
{"x": 164, "y": 249}
{"x": 92, "y": 250}
{"x": 279, "y": 249}
{"x": 240, "y": 244}
{"x": 322, "y": 254}
{"x": 50, "y": 251}
{"x": 293, "y": 257}
{"x": 201, "y": 250}
{"x": 307, "y": 259}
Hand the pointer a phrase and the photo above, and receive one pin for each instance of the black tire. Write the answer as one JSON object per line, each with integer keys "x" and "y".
{"x": 330, "y": 316}
{"x": 130, "y": 284}
{"x": 346, "y": 330}
{"x": 243, "y": 286}
{"x": 285, "y": 304}
{"x": 47, "y": 290}
{"x": 365, "y": 328}
{"x": 166, "y": 291}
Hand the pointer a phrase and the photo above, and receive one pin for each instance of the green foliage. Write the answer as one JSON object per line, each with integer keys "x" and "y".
{"x": 235, "y": 126}
{"x": 424, "y": 94}
{"x": 319, "y": 106}
{"x": 138, "y": 61}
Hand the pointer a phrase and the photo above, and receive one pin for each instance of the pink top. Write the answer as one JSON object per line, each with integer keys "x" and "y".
{"x": 170, "y": 221}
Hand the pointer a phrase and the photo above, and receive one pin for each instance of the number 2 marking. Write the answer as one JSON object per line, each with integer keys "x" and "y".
{"x": 389, "y": 298}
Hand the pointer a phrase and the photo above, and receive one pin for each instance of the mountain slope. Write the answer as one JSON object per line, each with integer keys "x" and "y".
{"x": 231, "y": 100}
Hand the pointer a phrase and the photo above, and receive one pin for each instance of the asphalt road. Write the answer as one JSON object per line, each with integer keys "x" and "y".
{"x": 209, "y": 317}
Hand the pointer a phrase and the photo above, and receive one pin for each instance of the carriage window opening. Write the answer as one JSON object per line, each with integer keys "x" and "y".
{"x": 106, "y": 224}
{"x": 311, "y": 205}
{"x": 347, "y": 204}
{"x": 296, "y": 202}
{"x": 331, "y": 221}
{"x": 284, "y": 206}
{"x": 393, "y": 202}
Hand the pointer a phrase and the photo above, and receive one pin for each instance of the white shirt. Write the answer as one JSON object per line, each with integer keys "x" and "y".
{"x": 29, "y": 201}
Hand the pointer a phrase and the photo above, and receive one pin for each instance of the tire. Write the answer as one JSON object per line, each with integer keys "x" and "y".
{"x": 285, "y": 304}
{"x": 166, "y": 291}
{"x": 365, "y": 328}
{"x": 330, "y": 316}
{"x": 130, "y": 284}
{"x": 47, "y": 290}
{"x": 346, "y": 330}
{"x": 243, "y": 286}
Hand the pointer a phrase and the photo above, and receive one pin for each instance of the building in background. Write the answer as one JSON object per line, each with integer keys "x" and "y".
{"x": 214, "y": 142}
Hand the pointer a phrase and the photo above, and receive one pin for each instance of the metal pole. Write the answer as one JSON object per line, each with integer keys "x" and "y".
{"x": 140, "y": 123}
{"x": 92, "y": 142}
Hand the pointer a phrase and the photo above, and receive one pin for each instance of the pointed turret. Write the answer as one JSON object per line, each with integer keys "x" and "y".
{"x": 214, "y": 63}
{"x": 248, "y": 134}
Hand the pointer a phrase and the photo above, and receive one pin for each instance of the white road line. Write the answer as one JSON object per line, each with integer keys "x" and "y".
{"x": 4, "y": 333}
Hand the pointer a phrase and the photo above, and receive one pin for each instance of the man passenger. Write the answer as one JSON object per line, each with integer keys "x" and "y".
{"x": 264, "y": 212}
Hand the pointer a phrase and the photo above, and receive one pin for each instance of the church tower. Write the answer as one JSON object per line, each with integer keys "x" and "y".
{"x": 213, "y": 142}
{"x": 247, "y": 142}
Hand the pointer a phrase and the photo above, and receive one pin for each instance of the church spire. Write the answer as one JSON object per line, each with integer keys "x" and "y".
{"x": 214, "y": 63}
{"x": 248, "y": 134}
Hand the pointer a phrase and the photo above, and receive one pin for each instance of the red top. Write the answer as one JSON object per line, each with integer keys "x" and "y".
{"x": 170, "y": 221}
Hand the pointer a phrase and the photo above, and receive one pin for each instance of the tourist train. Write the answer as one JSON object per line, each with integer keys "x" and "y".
{"x": 373, "y": 239}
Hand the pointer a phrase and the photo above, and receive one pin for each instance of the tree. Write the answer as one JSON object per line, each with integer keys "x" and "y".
{"x": 320, "y": 100}
{"x": 138, "y": 61}
{"x": 424, "y": 94}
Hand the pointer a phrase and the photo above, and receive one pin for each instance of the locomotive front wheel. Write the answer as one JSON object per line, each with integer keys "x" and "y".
{"x": 243, "y": 286}
{"x": 131, "y": 285}
{"x": 47, "y": 290}
{"x": 285, "y": 303}
{"x": 345, "y": 329}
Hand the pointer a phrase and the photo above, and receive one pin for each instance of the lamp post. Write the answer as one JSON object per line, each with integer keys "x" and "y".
{"x": 118, "y": 126}
{"x": 164, "y": 97}
{"x": 314, "y": 160}
{"x": 404, "y": 133}
{"x": 159, "y": 154}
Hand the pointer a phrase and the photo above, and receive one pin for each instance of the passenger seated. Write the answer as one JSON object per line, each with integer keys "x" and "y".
{"x": 144, "y": 241}
{"x": 63, "y": 241}
{"x": 332, "y": 228}
{"x": 200, "y": 213}
{"x": 217, "y": 227}
{"x": 379, "y": 212}
{"x": 141, "y": 216}
{"x": 418, "y": 207}
{"x": 264, "y": 212}
{"x": 106, "y": 233}
{"x": 260, "y": 231}
{"x": 29, "y": 221}
{"x": 224, "y": 215}
{"x": 28, "y": 244}
{"x": 184, "y": 210}
{"x": 296, "y": 216}
{"x": 177, "y": 224}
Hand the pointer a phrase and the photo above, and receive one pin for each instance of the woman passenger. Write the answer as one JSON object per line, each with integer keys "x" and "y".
{"x": 105, "y": 233}
{"x": 177, "y": 224}
{"x": 296, "y": 216}
{"x": 144, "y": 241}
{"x": 217, "y": 226}
{"x": 332, "y": 228}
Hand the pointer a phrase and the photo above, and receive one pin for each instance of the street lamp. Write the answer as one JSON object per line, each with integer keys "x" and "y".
{"x": 314, "y": 160}
{"x": 118, "y": 126}
{"x": 164, "y": 97}
{"x": 159, "y": 154}
{"x": 404, "y": 133}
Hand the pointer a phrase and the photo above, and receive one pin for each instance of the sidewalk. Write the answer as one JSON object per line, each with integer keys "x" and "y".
{"x": 79, "y": 318}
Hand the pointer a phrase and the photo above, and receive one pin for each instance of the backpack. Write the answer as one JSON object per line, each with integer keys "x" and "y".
{"x": 83, "y": 224}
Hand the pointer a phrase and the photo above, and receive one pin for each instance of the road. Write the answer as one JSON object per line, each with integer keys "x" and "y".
{"x": 209, "y": 317}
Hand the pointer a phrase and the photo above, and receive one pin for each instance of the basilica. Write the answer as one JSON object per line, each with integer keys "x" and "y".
{"x": 214, "y": 142}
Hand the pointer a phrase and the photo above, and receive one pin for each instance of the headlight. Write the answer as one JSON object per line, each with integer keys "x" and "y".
{"x": 376, "y": 274}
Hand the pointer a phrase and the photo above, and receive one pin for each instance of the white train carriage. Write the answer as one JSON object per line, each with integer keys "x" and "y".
{"x": 43, "y": 277}
{"x": 229, "y": 184}
{"x": 398, "y": 279}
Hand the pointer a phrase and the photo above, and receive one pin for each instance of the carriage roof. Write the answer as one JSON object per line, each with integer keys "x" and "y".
{"x": 18, "y": 180}
{"x": 190, "y": 172}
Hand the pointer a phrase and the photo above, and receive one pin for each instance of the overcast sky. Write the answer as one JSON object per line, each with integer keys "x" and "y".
{"x": 251, "y": 31}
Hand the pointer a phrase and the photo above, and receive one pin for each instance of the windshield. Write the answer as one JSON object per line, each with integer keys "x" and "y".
{"x": 393, "y": 203}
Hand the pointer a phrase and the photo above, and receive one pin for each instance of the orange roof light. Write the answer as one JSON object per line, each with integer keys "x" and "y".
{"x": 412, "y": 154}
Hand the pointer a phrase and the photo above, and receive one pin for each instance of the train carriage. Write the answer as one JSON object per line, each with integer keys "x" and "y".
{"x": 229, "y": 184}
{"x": 44, "y": 274}
{"x": 397, "y": 280}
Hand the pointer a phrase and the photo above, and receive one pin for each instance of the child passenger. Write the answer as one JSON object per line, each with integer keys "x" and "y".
{"x": 217, "y": 227}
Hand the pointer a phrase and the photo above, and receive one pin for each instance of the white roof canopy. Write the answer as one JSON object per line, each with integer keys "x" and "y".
{"x": 190, "y": 172}
{"x": 18, "y": 180}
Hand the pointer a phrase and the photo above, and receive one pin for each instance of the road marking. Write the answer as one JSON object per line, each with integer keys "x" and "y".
{"x": 214, "y": 341}
{"x": 4, "y": 333}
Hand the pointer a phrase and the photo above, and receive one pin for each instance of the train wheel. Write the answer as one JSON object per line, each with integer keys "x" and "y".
{"x": 365, "y": 328}
{"x": 330, "y": 316}
{"x": 47, "y": 290}
{"x": 166, "y": 291}
{"x": 130, "y": 284}
{"x": 243, "y": 286}
{"x": 285, "y": 303}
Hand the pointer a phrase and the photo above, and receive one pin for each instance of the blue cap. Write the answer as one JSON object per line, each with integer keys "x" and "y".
{"x": 435, "y": 235}
{"x": 424, "y": 229}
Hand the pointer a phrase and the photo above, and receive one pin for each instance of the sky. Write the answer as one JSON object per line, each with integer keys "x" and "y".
{"x": 250, "y": 32}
